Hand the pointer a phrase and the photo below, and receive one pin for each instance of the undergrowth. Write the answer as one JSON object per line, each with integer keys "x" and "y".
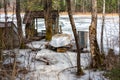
{"x": 114, "y": 74}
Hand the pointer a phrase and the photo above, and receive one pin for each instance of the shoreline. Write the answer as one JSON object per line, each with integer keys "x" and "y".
{"x": 76, "y": 13}
{"x": 89, "y": 14}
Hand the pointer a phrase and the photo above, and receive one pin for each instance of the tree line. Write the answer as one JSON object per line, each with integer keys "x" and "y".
{"x": 70, "y": 6}
{"x": 77, "y": 5}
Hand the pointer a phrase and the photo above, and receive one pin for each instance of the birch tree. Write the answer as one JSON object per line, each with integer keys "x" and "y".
{"x": 102, "y": 29}
{"x": 119, "y": 23}
{"x": 94, "y": 48}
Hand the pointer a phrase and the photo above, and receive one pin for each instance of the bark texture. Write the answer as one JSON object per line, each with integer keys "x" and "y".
{"x": 119, "y": 23}
{"x": 79, "y": 70}
{"x": 94, "y": 48}
{"x": 48, "y": 18}
{"x": 102, "y": 29}
{"x": 19, "y": 24}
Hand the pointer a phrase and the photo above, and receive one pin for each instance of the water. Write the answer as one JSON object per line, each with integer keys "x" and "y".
{"x": 111, "y": 29}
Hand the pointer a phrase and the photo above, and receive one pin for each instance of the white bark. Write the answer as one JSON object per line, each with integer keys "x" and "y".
{"x": 102, "y": 29}
{"x": 119, "y": 23}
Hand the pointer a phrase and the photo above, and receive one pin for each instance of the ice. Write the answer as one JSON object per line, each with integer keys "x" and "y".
{"x": 82, "y": 22}
{"x": 61, "y": 61}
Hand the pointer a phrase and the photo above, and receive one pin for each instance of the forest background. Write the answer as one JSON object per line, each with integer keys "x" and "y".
{"x": 83, "y": 6}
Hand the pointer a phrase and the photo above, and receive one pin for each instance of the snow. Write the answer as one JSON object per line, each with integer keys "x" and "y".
{"x": 60, "y": 40}
{"x": 111, "y": 30}
{"x": 39, "y": 70}
{"x": 59, "y": 64}
{"x": 88, "y": 75}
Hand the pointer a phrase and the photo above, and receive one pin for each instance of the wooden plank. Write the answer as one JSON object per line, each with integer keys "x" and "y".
{"x": 61, "y": 50}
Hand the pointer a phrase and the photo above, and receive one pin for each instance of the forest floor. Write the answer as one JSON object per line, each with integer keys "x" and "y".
{"x": 39, "y": 63}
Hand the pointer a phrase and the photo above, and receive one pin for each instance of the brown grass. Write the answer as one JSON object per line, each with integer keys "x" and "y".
{"x": 89, "y": 14}
{"x": 75, "y": 13}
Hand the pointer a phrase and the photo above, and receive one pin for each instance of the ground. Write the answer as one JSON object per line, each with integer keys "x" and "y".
{"x": 45, "y": 64}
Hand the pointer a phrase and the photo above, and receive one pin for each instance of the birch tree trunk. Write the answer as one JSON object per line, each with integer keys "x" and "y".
{"x": 102, "y": 29}
{"x": 94, "y": 48}
{"x": 119, "y": 23}
{"x": 79, "y": 70}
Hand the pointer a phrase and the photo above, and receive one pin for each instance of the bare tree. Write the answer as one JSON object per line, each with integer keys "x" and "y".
{"x": 94, "y": 48}
{"x": 5, "y": 10}
{"x": 79, "y": 70}
{"x": 1, "y": 30}
{"x": 73, "y": 5}
{"x": 19, "y": 24}
{"x": 48, "y": 18}
{"x": 119, "y": 23}
{"x": 102, "y": 29}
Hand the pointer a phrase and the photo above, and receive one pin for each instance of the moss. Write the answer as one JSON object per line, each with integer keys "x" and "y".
{"x": 48, "y": 36}
{"x": 22, "y": 45}
{"x": 49, "y": 33}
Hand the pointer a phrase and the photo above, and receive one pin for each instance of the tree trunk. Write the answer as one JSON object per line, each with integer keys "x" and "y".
{"x": 83, "y": 6}
{"x": 48, "y": 18}
{"x": 119, "y": 23}
{"x": 19, "y": 24}
{"x": 5, "y": 10}
{"x": 73, "y": 5}
{"x": 79, "y": 70}
{"x": 102, "y": 29}
{"x": 2, "y": 33}
{"x": 1, "y": 43}
{"x": 94, "y": 48}
{"x": 0, "y": 57}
